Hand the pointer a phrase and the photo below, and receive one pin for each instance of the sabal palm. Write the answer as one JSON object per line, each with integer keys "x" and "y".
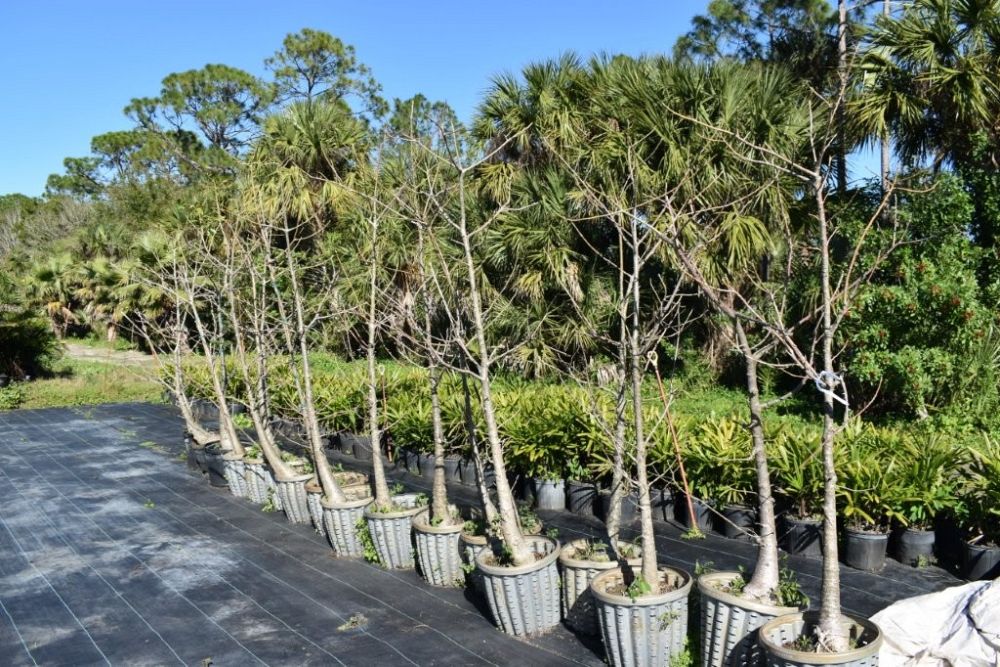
{"x": 51, "y": 285}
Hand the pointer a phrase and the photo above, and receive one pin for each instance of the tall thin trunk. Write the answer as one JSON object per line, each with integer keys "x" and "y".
{"x": 832, "y": 629}
{"x": 764, "y": 583}
{"x": 649, "y": 561}
{"x": 509, "y": 527}
{"x": 885, "y": 147}
{"x": 489, "y": 509}
{"x": 200, "y": 434}
{"x": 227, "y": 430}
{"x": 382, "y": 498}
{"x": 619, "y": 482}
{"x": 439, "y": 495}
{"x": 841, "y": 96}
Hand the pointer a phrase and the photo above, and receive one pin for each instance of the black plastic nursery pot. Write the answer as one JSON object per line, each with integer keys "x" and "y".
{"x": 580, "y": 497}
{"x": 361, "y": 446}
{"x": 738, "y": 521}
{"x": 802, "y": 536}
{"x": 550, "y": 494}
{"x": 630, "y": 506}
{"x": 663, "y": 503}
{"x": 467, "y": 472}
{"x": 729, "y": 623}
{"x": 915, "y": 547}
{"x": 980, "y": 561}
{"x": 216, "y": 465}
{"x": 648, "y": 630}
{"x": 452, "y": 469}
{"x": 425, "y": 463}
{"x": 865, "y": 550}
{"x": 777, "y": 635}
{"x": 702, "y": 513}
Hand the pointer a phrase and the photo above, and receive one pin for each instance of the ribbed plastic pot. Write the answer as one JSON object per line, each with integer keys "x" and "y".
{"x": 236, "y": 474}
{"x": 392, "y": 532}
{"x": 438, "y": 553}
{"x": 980, "y": 562}
{"x": 292, "y": 492}
{"x": 470, "y": 546}
{"x": 729, "y": 623}
{"x": 340, "y": 521}
{"x": 580, "y": 497}
{"x": 739, "y": 522}
{"x": 803, "y": 537}
{"x": 216, "y": 466}
{"x": 775, "y": 634}
{"x": 647, "y": 631}
{"x": 259, "y": 480}
{"x": 314, "y": 494}
{"x": 550, "y": 494}
{"x": 524, "y": 600}
{"x": 914, "y": 547}
{"x": 578, "y": 608}
{"x": 865, "y": 550}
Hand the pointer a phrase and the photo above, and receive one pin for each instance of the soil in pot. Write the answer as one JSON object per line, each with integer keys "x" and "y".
{"x": 524, "y": 599}
{"x": 729, "y": 623}
{"x": 580, "y": 497}
{"x": 802, "y": 536}
{"x": 649, "y": 630}
{"x": 581, "y": 561}
{"x": 392, "y": 531}
{"x": 915, "y": 547}
{"x": 980, "y": 561}
{"x": 865, "y": 550}
{"x": 340, "y": 521}
{"x": 550, "y": 494}
{"x": 439, "y": 555}
{"x": 702, "y": 513}
{"x": 778, "y": 639}
{"x": 738, "y": 521}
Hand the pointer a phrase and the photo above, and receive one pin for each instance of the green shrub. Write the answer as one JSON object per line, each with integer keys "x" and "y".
{"x": 11, "y": 397}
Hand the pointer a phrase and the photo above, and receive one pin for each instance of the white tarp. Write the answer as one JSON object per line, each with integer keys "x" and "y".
{"x": 956, "y": 627}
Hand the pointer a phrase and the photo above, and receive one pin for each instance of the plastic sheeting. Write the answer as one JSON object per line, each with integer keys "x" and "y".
{"x": 956, "y": 627}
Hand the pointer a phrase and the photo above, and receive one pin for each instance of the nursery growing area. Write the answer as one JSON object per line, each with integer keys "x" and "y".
{"x": 628, "y": 364}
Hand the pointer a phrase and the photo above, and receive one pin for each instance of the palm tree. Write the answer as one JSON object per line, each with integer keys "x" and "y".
{"x": 51, "y": 285}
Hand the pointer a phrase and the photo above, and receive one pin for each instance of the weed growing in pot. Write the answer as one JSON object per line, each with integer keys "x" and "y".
{"x": 368, "y": 550}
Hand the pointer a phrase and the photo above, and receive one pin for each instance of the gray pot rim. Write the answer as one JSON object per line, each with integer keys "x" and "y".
{"x": 412, "y": 511}
{"x": 581, "y": 564}
{"x": 422, "y": 525}
{"x": 348, "y": 505}
{"x": 314, "y": 487}
{"x": 295, "y": 478}
{"x": 813, "y": 658}
{"x": 518, "y": 570}
{"x": 708, "y": 588}
{"x": 867, "y": 534}
{"x": 645, "y": 600}
{"x": 474, "y": 540}
{"x": 232, "y": 456}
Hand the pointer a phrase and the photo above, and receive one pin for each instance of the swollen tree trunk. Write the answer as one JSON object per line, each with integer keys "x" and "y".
{"x": 833, "y": 632}
{"x": 439, "y": 495}
{"x": 509, "y": 526}
{"x": 649, "y": 565}
{"x": 764, "y": 583}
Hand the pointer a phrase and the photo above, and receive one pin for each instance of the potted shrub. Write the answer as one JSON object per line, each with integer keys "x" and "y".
{"x": 717, "y": 453}
{"x": 581, "y": 561}
{"x": 580, "y": 494}
{"x": 799, "y": 479}
{"x": 978, "y": 510}
{"x": 869, "y": 485}
{"x": 928, "y": 489}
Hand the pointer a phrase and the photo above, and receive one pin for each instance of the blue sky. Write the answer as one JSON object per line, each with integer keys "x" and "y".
{"x": 70, "y": 67}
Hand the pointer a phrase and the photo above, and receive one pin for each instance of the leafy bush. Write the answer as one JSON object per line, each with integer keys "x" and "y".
{"x": 11, "y": 397}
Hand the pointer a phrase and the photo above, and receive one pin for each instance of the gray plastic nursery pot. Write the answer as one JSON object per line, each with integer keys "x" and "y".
{"x": 775, "y": 635}
{"x": 865, "y": 550}
{"x": 550, "y": 494}
{"x": 980, "y": 561}
{"x": 470, "y": 546}
{"x": 523, "y": 599}
{"x": 292, "y": 492}
{"x": 236, "y": 474}
{"x": 340, "y": 521}
{"x": 452, "y": 469}
{"x": 802, "y": 536}
{"x": 314, "y": 494}
{"x": 646, "y": 631}
{"x": 425, "y": 464}
{"x": 578, "y": 609}
{"x": 729, "y": 623}
{"x": 738, "y": 521}
{"x": 438, "y": 552}
{"x": 392, "y": 532}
